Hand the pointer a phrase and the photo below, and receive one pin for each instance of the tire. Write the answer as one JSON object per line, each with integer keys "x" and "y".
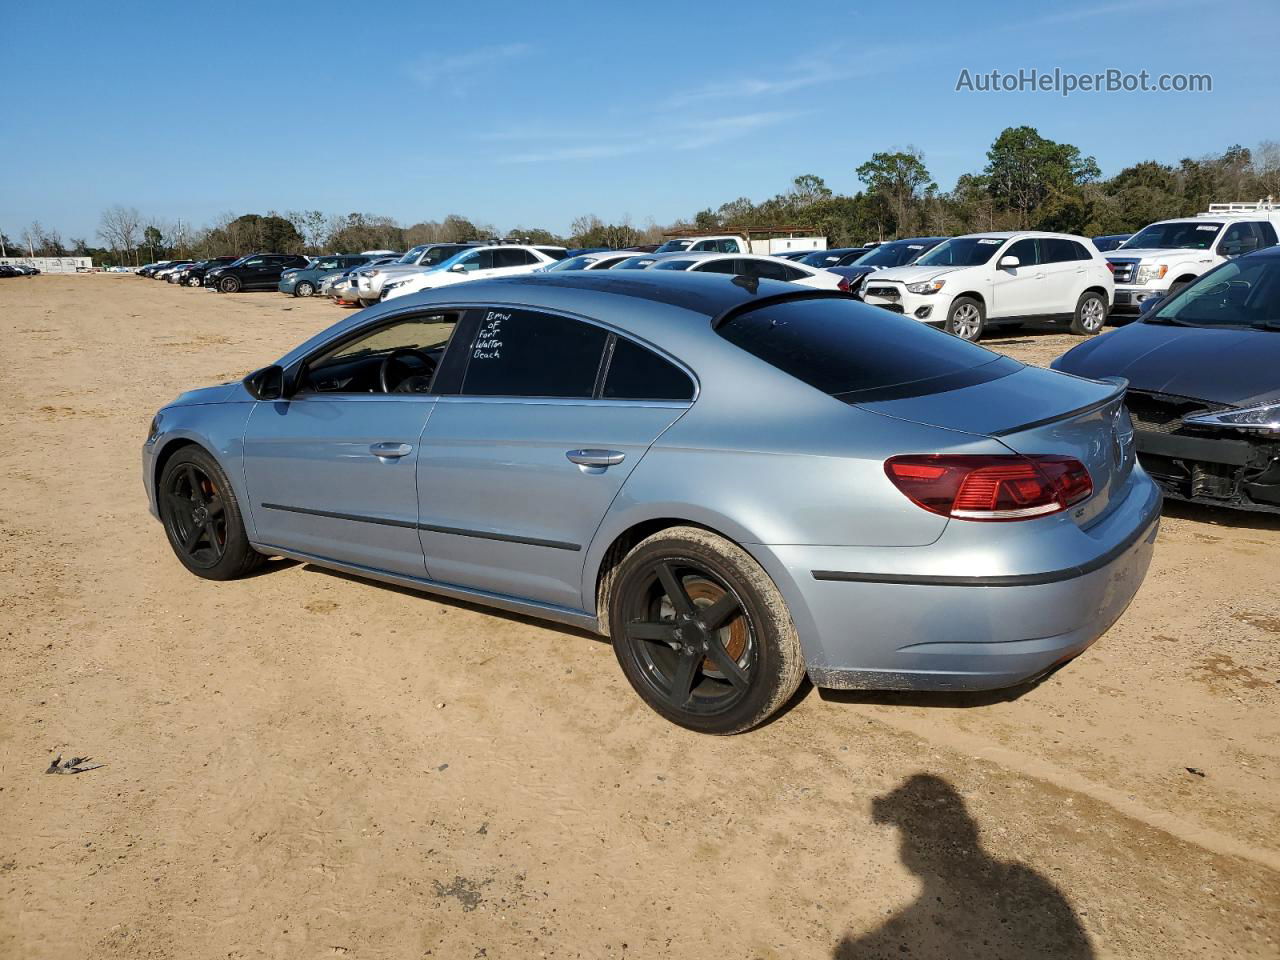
{"x": 194, "y": 281}
{"x": 1175, "y": 287}
{"x": 966, "y": 319}
{"x": 367, "y": 303}
{"x": 304, "y": 288}
{"x": 202, "y": 517}
{"x": 1090, "y": 316}
{"x": 727, "y": 637}
{"x": 229, "y": 285}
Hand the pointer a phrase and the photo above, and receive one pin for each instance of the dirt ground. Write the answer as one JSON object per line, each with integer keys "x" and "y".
{"x": 306, "y": 765}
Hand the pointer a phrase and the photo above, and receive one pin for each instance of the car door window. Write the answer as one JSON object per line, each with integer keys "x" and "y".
{"x": 328, "y": 264}
{"x": 521, "y": 353}
{"x": 410, "y": 349}
{"x": 1056, "y": 250}
{"x": 255, "y": 263}
{"x": 1268, "y": 234}
{"x": 637, "y": 373}
{"x": 765, "y": 269}
{"x": 513, "y": 258}
{"x": 1025, "y": 251}
{"x": 480, "y": 260}
{"x": 1237, "y": 239}
{"x": 727, "y": 265}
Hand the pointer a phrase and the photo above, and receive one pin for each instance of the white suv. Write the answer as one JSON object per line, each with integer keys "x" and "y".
{"x": 968, "y": 283}
{"x": 476, "y": 263}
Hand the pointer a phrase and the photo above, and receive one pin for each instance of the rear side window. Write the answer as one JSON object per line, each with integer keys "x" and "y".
{"x": 519, "y": 353}
{"x": 1081, "y": 251}
{"x": 637, "y": 373}
{"x": 858, "y": 353}
{"x": 1268, "y": 234}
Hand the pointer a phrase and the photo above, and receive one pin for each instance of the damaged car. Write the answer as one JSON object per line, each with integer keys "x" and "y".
{"x": 1203, "y": 368}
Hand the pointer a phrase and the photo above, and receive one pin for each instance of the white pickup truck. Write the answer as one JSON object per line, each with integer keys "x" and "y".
{"x": 1168, "y": 255}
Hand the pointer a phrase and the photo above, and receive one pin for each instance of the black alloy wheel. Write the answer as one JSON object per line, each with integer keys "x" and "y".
{"x": 196, "y": 515}
{"x": 702, "y": 633}
{"x": 202, "y": 518}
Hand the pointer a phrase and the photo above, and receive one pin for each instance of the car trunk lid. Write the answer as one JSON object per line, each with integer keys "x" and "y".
{"x": 1036, "y": 411}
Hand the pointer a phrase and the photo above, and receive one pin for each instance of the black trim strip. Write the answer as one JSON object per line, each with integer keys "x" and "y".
{"x": 356, "y": 518}
{"x": 1012, "y": 580}
{"x": 1087, "y": 408}
{"x": 504, "y": 537}
{"x": 430, "y": 527}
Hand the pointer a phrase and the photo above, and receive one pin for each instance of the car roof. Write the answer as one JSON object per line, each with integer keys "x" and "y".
{"x": 673, "y": 298}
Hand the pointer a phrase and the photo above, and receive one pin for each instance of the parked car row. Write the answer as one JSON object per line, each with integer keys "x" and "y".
{"x": 17, "y": 270}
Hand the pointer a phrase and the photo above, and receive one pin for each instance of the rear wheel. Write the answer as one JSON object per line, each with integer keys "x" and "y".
{"x": 202, "y": 518}
{"x": 702, "y": 633}
{"x": 367, "y": 303}
{"x": 193, "y": 281}
{"x": 229, "y": 285}
{"x": 305, "y": 288}
{"x": 966, "y": 319}
{"x": 1090, "y": 315}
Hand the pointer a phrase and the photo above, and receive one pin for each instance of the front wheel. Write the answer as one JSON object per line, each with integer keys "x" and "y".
{"x": 702, "y": 633}
{"x": 193, "y": 281}
{"x": 966, "y": 319}
{"x": 229, "y": 285}
{"x": 304, "y": 289}
{"x": 1090, "y": 315}
{"x": 367, "y": 303}
{"x": 202, "y": 518}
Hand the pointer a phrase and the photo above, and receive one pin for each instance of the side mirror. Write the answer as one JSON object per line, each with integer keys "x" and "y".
{"x": 458, "y": 268}
{"x": 1008, "y": 263}
{"x": 267, "y": 383}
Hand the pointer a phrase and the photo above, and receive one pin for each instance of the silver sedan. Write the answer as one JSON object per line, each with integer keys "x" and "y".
{"x": 739, "y": 481}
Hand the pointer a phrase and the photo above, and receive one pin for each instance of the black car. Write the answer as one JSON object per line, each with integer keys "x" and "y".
{"x": 193, "y": 274}
{"x": 257, "y": 271}
{"x": 1110, "y": 241}
{"x": 833, "y": 257}
{"x": 1203, "y": 366}
{"x": 8, "y": 271}
{"x": 895, "y": 253}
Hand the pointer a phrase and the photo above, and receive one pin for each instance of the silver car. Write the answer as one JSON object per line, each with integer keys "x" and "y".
{"x": 371, "y": 280}
{"x": 740, "y": 482}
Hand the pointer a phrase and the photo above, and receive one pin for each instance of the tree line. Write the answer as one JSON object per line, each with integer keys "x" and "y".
{"x": 1028, "y": 182}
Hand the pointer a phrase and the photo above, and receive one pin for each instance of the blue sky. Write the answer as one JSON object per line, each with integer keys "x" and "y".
{"x": 529, "y": 114}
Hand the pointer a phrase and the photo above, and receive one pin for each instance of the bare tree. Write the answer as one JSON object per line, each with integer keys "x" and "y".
{"x": 120, "y": 227}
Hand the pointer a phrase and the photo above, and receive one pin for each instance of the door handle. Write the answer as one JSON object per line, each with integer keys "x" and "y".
{"x": 596, "y": 458}
{"x": 390, "y": 450}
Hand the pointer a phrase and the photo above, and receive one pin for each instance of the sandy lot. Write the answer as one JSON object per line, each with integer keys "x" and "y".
{"x": 306, "y": 765}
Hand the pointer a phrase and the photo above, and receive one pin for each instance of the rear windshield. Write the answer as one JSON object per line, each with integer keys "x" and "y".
{"x": 962, "y": 252}
{"x": 859, "y": 353}
{"x": 674, "y": 246}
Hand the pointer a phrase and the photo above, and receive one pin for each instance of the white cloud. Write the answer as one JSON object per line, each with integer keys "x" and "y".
{"x": 453, "y": 69}
{"x": 665, "y": 134}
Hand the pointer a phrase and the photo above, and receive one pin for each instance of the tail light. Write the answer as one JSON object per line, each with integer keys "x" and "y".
{"x": 1110, "y": 266}
{"x": 844, "y": 285}
{"x": 990, "y": 487}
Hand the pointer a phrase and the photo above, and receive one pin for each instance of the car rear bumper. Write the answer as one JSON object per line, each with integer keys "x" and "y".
{"x": 921, "y": 631}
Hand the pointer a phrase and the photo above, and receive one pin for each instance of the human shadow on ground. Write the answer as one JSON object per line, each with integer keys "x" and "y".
{"x": 972, "y": 904}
